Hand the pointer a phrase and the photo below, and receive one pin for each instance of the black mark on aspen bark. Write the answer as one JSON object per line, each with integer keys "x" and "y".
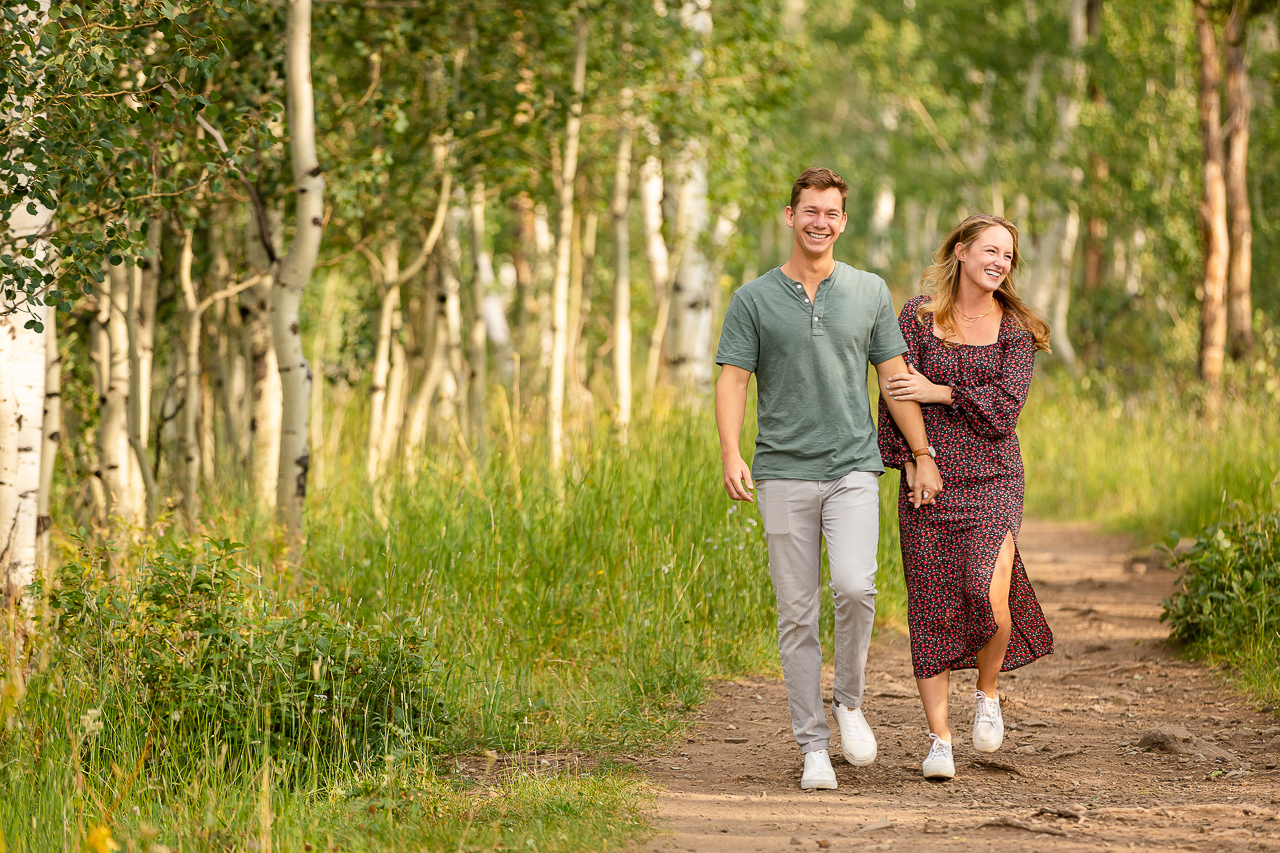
{"x": 293, "y": 328}
{"x": 315, "y": 220}
{"x": 315, "y": 173}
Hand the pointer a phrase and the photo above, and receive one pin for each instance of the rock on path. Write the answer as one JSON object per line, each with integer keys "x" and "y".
{"x": 1071, "y": 775}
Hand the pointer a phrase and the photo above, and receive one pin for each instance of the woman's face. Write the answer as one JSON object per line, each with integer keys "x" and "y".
{"x": 985, "y": 263}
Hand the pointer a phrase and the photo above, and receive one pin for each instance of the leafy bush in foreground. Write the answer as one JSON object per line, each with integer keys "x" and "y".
{"x": 195, "y": 652}
{"x": 1228, "y": 604}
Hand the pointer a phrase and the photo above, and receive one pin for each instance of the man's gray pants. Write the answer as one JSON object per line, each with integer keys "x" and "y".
{"x": 798, "y": 515}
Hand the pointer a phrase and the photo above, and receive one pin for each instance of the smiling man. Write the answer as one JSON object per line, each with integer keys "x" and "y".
{"x": 808, "y": 330}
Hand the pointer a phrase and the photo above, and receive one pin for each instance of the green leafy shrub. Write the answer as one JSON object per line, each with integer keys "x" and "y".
{"x": 199, "y": 653}
{"x": 1228, "y": 603}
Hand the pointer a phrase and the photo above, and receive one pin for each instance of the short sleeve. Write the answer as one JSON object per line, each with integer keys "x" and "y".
{"x": 886, "y": 336}
{"x": 740, "y": 335}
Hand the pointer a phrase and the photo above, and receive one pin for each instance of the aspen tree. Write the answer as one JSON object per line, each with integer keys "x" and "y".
{"x": 295, "y": 270}
{"x": 560, "y": 285}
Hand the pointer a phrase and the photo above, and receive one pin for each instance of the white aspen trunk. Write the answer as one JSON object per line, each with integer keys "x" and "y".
{"x": 22, "y": 360}
{"x": 141, "y": 477}
{"x": 1133, "y": 269}
{"x": 882, "y": 210}
{"x": 544, "y": 272}
{"x": 560, "y": 285}
{"x": 726, "y": 227}
{"x": 483, "y": 279}
{"x": 394, "y": 419}
{"x": 420, "y": 405}
{"x": 388, "y": 271}
{"x": 262, "y": 372}
{"x": 23, "y": 367}
{"x": 100, "y": 343}
{"x": 51, "y": 435}
{"x": 390, "y": 373}
{"x": 208, "y": 415}
{"x": 143, "y": 318}
{"x": 659, "y": 259}
{"x": 265, "y": 399}
{"x": 188, "y": 453}
{"x": 10, "y": 540}
{"x": 690, "y": 321}
{"x": 1062, "y": 293}
{"x": 295, "y": 271}
{"x": 1239, "y": 216}
{"x": 583, "y": 247}
{"x": 454, "y": 385}
{"x": 327, "y": 338}
{"x": 123, "y": 501}
{"x": 621, "y": 210}
{"x": 226, "y": 356}
{"x": 1213, "y": 211}
{"x": 655, "y": 247}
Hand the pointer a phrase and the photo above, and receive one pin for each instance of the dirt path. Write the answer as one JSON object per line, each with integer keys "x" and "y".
{"x": 1070, "y": 776}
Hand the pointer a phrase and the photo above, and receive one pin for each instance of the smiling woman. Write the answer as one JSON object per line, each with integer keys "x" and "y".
{"x": 970, "y": 359}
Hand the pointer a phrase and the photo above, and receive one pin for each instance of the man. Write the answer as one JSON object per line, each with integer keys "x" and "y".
{"x": 807, "y": 330}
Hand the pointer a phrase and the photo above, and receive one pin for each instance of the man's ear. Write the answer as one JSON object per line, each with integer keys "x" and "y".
{"x": 789, "y": 216}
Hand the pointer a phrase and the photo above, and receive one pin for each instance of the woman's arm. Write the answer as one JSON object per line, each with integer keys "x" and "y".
{"x": 992, "y": 409}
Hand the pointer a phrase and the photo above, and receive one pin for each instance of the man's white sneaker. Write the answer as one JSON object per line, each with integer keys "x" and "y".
{"x": 817, "y": 770}
{"x": 988, "y": 723}
{"x": 857, "y": 741}
{"x": 939, "y": 763}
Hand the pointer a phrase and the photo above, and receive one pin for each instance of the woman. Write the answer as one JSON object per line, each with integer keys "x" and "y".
{"x": 972, "y": 345}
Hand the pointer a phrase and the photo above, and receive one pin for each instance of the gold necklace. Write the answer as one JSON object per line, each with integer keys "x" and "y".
{"x": 973, "y": 318}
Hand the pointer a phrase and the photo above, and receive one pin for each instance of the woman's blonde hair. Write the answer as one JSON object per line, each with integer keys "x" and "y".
{"x": 940, "y": 282}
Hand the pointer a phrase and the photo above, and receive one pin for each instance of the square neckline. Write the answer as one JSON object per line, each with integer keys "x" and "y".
{"x": 1004, "y": 316}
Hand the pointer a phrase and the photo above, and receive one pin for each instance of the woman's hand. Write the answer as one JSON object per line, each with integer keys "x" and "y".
{"x": 916, "y": 387}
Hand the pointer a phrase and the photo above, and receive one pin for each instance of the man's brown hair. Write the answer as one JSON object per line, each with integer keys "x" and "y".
{"x": 818, "y": 178}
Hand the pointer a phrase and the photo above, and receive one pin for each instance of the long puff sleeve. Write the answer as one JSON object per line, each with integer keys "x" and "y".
{"x": 894, "y": 452}
{"x": 992, "y": 409}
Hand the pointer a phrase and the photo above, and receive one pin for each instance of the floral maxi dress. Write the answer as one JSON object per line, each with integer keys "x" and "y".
{"x": 949, "y": 548}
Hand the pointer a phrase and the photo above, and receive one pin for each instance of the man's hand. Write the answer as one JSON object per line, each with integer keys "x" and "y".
{"x": 925, "y": 481}
{"x": 916, "y": 387}
{"x": 737, "y": 479}
{"x": 731, "y": 404}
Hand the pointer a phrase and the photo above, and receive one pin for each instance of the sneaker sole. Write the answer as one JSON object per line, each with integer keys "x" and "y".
{"x": 862, "y": 762}
{"x": 939, "y": 777}
{"x": 822, "y": 785}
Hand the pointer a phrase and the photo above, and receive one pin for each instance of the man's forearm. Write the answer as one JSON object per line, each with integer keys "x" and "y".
{"x": 910, "y": 421}
{"x": 731, "y": 409}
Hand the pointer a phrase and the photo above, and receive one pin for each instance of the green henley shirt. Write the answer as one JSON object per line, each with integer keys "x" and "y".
{"x": 810, "y": 362}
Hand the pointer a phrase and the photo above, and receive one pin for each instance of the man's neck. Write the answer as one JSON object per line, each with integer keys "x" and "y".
{"x": 809, "y": 271}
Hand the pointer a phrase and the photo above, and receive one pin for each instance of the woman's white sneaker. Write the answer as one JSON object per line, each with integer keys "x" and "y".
{"x": 857, "y": 741}
{"x": 988, "y": 723}
{"x": 939, "y": 763}
{"x": 818, "y": 772}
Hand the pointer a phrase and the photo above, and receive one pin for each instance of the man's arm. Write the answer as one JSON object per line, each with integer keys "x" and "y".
{"x": 731, "y": 409}
{"x": 927, "y": 482}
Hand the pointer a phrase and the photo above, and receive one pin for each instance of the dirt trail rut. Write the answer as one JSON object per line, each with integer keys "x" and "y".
{"x": 1070, "y": 776}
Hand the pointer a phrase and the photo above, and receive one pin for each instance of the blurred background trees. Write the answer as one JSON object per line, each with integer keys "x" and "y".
{"x": 524, "y": 204}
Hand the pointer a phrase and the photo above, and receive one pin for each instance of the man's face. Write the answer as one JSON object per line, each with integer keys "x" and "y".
{"x": 817, "y": 220}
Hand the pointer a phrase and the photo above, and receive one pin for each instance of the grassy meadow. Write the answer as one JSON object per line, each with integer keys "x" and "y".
{"x": 218, "y": 701}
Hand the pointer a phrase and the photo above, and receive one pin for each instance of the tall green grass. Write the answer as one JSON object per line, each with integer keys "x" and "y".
{"x": 587, "y": 619}
{"x": 1146, "y": 460}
